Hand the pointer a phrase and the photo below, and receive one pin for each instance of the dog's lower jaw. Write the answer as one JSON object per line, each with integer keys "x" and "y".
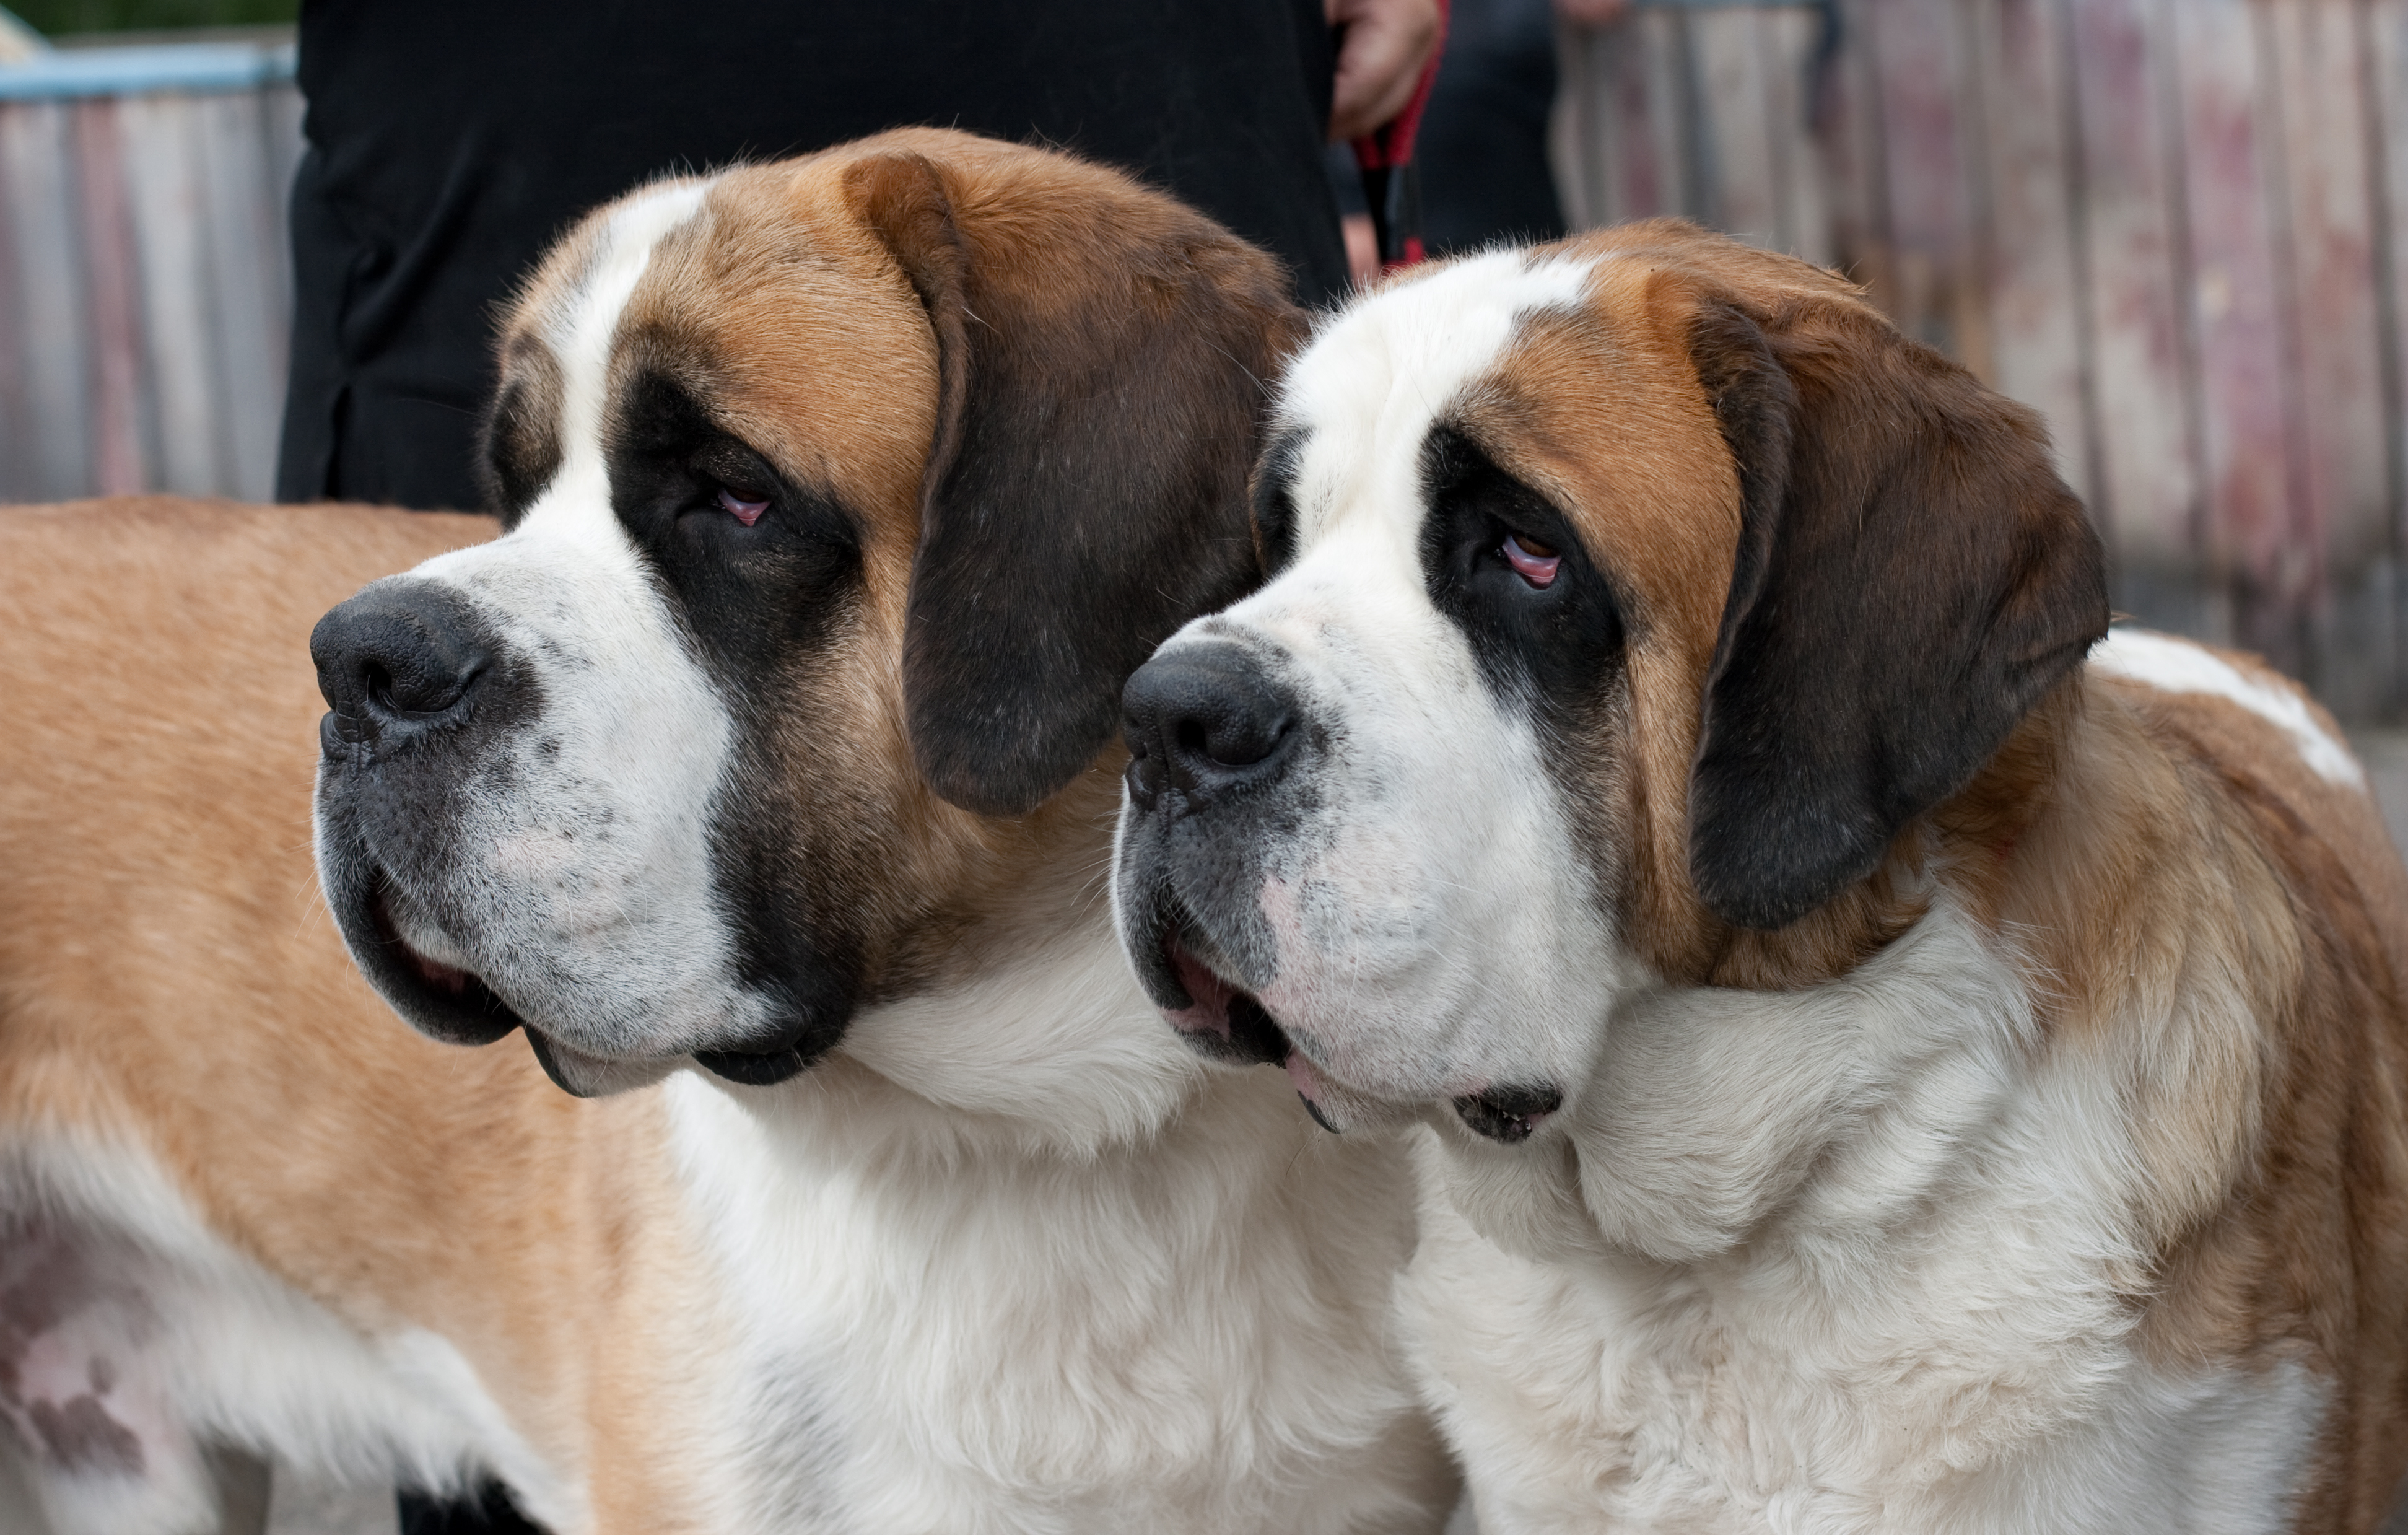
{"x": 582, "y": 1075}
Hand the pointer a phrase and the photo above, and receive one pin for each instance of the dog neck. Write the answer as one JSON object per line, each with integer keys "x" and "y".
{"x": 1008, "y": 1021}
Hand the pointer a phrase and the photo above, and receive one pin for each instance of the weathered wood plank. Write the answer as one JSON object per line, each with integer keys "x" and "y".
{"x": 1647, "y": 173}
{"x": 1916, "y": 53}
{"x": 179, "y": 289}
{"x": 53, "y": 447}
{"x": 16, "y": 378}
{"x": 2322, "y": 120}
{"x": 2384, "y": 24}
{"x": 145, "y": 292}
{"x": 2343, "y": 538}
{"x": 2039, "y": 353}
{"x": 1849, "y": 133}
{"x": 1573, "y": 128}
{"x": 2248, "y": 418}
{"x": 245, "y": 240}
{"x": 120, "y": 462}
{"x": 2149, "y": 480}
{"x": 1786, "y": 39}
{"x": 285, "y": 110}
{"x": 1730, "y": 73}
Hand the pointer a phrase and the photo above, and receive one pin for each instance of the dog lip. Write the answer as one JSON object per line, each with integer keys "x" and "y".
{"x": 754, "y": 1067}
{"x": 1219, "y": 1019}
{"x": 469, "y": 1010}
{"x": 1509, "y": 1114}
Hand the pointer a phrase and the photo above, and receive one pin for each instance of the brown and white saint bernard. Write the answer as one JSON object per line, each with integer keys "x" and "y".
{"x": 1876, "y": 1069}
{"x": 776, "y": 734}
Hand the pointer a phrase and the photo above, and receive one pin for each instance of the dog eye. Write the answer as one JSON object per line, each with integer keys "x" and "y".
{"x": 1532, "y": 561}
{"x": 747, "y": 512}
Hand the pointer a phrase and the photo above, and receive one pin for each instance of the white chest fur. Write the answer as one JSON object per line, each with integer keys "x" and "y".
{"x": 1857, "y": 1258}
{"x": 951, "y": 1321}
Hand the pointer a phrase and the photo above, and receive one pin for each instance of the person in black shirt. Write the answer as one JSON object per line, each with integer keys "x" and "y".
{"x": 450, "y": 141}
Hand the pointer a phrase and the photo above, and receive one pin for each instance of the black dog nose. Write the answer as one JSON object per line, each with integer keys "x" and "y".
{"x": 401, "y": 658}
{"x": 1201, "y": 721}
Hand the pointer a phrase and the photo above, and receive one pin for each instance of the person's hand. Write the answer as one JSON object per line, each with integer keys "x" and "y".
{"x": 1592, "y": 13}
{"x": 1379, "y": 58}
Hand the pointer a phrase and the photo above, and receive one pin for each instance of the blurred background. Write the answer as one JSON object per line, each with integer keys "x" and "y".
{"x": 2176, "y": 227}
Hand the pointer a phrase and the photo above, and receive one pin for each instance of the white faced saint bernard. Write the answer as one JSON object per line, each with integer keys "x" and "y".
{"x": 775, "y": 734}
{"x": 1874, "y": 1070}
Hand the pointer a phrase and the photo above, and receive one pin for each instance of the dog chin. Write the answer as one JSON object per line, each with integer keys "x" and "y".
{"x": 582, "y": 1075}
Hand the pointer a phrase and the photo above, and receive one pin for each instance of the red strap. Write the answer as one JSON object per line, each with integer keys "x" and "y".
{"x": 1387, "y": 147}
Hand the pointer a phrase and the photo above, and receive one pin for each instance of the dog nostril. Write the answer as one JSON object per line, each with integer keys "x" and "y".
{"x": 1244, "y": 741}
{"x": 1146, "y": 776}
{"x": 1201, "y": 720}
{"x": 398, "y": 658}
{"x": 376, "y": 686}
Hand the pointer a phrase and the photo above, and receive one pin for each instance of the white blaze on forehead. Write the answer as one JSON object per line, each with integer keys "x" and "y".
{"x": 582, "y": 330}
{"x": 2177, "y": 665}
{"x": 1377, "y": 375}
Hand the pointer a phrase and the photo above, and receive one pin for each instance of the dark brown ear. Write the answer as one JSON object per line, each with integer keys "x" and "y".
{"x": 1912, "y": 577}
{"x": 1102, "y": 354}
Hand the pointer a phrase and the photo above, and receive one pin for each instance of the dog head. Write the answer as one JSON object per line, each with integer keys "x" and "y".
{"x": 840, "y": 495}
{"x": 1632, "y": 596}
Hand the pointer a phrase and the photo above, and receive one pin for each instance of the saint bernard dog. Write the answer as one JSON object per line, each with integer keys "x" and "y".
{"x": 1871, "y": 1068}
{"x": 771, "y": 750}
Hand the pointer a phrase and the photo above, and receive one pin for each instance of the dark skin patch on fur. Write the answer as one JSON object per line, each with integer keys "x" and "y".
{"x": 79, "y": 1435}
{"x": 1557, "y": 646}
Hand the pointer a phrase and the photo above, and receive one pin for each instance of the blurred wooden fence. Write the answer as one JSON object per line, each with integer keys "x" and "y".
{"x": 145, "y": 279}
{"x": 2179, "y": 228}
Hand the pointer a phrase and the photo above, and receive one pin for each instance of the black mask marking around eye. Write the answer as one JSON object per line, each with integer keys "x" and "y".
{"x": 1555, "y": 643}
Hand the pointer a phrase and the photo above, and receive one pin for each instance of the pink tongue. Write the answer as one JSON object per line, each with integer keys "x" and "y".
{"x": 1212, "y": 994}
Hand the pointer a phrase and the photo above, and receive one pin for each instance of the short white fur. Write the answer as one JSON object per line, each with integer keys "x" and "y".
{"x": 2173, "y": 664}
{"x": 1446, "y": 915}
{"x": 591, "y": 871}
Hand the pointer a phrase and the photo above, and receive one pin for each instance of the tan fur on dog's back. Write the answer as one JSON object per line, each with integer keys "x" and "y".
{"x": 2305, "y": 1253}
{"x": 169, "y": 979}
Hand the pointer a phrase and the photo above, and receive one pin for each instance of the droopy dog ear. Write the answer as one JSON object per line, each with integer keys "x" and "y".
{"x": 1102, "y": 356}
{"x": 1912, "y": 577}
